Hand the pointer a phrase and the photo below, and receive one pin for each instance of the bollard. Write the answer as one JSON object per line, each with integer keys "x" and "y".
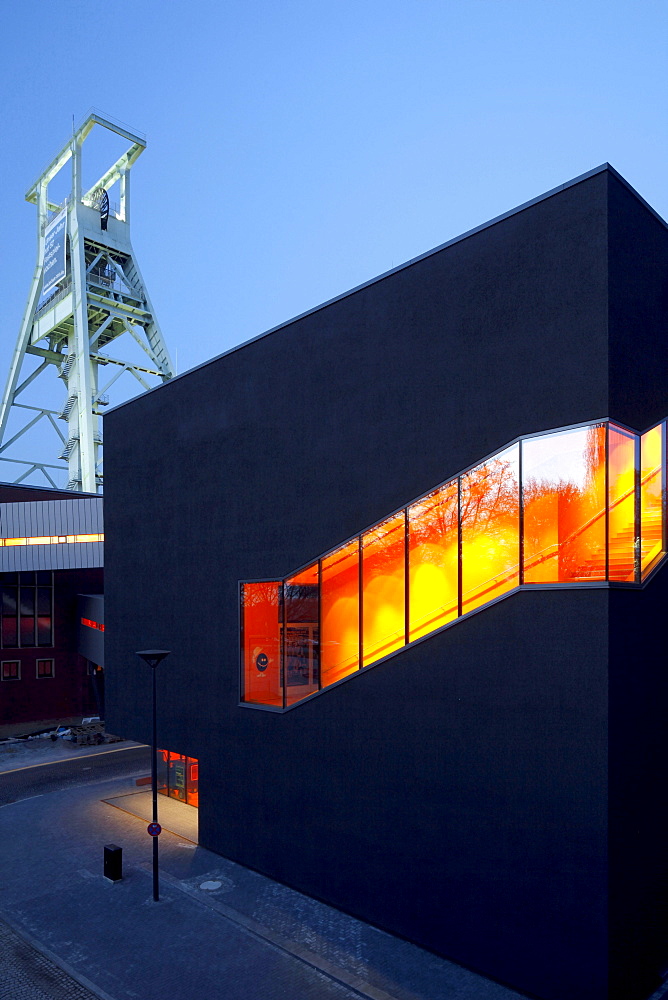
{"x": 113, "y": 863}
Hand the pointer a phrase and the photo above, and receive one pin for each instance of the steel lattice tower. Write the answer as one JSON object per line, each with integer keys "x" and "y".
{"x": 86, "y": 292}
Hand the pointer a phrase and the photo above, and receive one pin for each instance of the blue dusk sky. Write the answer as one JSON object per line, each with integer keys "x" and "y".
{"x": 297, "y": 149}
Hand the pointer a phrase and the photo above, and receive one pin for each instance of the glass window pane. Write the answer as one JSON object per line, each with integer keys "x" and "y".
{"x": 44, "y": 634}
{"x": 27, "y": 631}
{"x": 192, "y": 781}
{"x": 383, "y": 582}
{"x": 564, "y": 505}
{"x": 490, "y": 516}
{"x": 10, "y": 636}
{"x": 621, "y": 504}
{"x": 262, "y": 675}
{"x": 340, "y": 613}
{"x": 9, "y": 600}
{"x": 432, "y": 558}
{"x": 651, "y": 495}
{"x": 300, "y": 596}
{"x": 27, "y": 600}
{"x": 162, "y": 771}
{"x": 177, "y": 777}
{"x": 43, "y": 600}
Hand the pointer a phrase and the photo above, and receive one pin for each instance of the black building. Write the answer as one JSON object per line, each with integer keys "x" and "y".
{"x": 447, "y": 488}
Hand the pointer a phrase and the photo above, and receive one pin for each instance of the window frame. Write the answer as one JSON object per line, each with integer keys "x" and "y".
{"x": 45, "y": 659}
{"x": 3, "y": 664}
{"x": 35, "y": 586}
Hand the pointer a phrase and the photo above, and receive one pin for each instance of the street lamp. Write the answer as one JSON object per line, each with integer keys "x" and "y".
{"x": 153, "y": 657}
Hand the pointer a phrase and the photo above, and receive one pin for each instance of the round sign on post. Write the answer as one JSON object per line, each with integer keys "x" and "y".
{"x": 154, "y": 829}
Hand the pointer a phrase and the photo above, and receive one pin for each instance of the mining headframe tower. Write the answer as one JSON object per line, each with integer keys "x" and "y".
{"x": 86, "y": 293}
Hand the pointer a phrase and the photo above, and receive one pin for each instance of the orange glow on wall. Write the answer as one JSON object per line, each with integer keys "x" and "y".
{"x": 383, "y": 589}
{"x": 490, "y": 519}
{"x": 592, "y": 510}
{"x": 339, "y": 604}
{"x": 433, "y": 545}
{"x": 652, "y": 496}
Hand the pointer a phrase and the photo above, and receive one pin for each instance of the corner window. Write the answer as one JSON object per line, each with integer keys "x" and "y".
{"x": 11, "y": 670}
{"x": 45, "y": 668}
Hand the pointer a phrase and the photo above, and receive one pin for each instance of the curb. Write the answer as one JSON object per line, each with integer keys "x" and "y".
{"x": 57, "y": 961}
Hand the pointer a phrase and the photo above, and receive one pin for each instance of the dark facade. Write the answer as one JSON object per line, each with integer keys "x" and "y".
{"x": 494, "y": 791}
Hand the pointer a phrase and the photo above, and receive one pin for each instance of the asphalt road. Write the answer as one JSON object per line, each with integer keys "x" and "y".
{"x": 28, "y": 974}
{"x": 37, "y": 779}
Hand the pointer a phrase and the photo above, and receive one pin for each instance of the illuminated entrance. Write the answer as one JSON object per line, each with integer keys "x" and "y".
{"x": 178, "y": 777}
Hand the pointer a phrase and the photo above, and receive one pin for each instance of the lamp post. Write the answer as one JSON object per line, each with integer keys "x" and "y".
{"x": 153, "y": 657}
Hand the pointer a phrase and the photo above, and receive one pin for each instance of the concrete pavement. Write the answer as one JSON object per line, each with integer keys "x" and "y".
{"x": 219, "y": 930}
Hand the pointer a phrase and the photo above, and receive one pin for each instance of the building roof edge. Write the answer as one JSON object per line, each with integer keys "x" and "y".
{"x": 602, "y": 168}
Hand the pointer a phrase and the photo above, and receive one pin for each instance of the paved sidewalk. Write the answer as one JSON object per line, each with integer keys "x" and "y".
{"x": 27, "y": 974}
{"x": 219, "y": 931}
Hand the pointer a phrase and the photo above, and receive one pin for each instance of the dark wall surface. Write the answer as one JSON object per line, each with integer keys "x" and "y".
{"x": 638, "y": 810}
{"x": 455, "y": 794}
{"x": 90, "y": 641}
{"x": 638, "y": 262}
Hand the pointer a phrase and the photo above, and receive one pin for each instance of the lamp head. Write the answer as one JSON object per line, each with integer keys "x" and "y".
{"x": 153, "y": 656}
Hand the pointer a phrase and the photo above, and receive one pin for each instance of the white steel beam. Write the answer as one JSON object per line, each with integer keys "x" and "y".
{"x": 79, "y": 310}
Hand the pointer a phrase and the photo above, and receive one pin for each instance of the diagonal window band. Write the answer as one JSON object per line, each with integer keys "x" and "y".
{"x": 572, "y": 506}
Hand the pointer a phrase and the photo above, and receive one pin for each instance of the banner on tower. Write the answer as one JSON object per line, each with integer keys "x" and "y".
{"x": 55, "y": 266}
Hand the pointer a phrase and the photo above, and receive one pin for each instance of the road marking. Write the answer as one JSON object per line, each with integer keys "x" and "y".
{"x": 68, "y": 760}
{"x": 26, "y": 799}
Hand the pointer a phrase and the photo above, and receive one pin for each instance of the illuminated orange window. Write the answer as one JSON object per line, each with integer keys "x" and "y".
{"x": 383, "y": 589}
{"x": 621, "y": 504}
{"x": 339, "y": 603}
{"x": 192, "y": 782}
{"x": 563, "y": 477}
{"x": 652, "y": 495}
{"x": 433, "y": 559}
{"x": 593, "y": 509}
{"x": 490, "y": 512}
{"x": 301, "y": 639}
{"x": 263, "y": 677}
{"x": 178, "y": 777}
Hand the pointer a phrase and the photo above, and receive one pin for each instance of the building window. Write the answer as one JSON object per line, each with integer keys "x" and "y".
{"x": 27, "y": 609}
{"x": 11, "y": 670}
{"x": 45, "y": 668}
{"x": 178, "y": 777}
{"x": 577, "y": 506}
